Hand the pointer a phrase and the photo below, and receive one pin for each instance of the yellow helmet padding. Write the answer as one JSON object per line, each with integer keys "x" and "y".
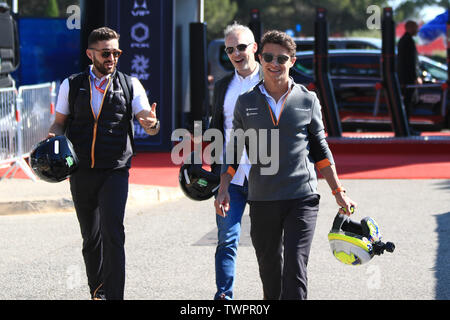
{"x": 350, "y": 250}
{"x": 345, "y": 257}
{"x": 343, "y": 237}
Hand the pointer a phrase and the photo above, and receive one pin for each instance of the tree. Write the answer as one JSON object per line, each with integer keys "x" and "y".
{"x": 344, "y": 16}
{"x": 218, "y": 14}
{"x": 52, "y": 9}
{"x": 35, "y": 8}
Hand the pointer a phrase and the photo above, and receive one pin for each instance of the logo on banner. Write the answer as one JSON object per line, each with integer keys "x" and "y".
{"x": 139, "y": 34}
{"x": 140, "y": 65}
{"x": 140, "y": 8}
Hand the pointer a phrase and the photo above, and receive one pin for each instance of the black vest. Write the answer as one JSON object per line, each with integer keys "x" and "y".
{"x": 103, "y": 142}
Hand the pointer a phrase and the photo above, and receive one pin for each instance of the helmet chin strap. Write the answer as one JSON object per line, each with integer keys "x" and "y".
{"x": 352, "y": 226}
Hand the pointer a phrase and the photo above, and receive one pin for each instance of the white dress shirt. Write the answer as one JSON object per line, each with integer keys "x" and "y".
{"x": 140, "y": 101}
{"x": 275, "y": 105}
{"x": 238, "y": 86}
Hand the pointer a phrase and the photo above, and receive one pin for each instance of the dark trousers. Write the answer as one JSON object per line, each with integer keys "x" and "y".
{"x": 408, "y": 94}
{"x": 282, "y": 233}
{"x": 100, "y": 196}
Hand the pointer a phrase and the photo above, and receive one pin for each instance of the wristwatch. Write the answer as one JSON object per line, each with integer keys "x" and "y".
{"x": 156, "y": 126}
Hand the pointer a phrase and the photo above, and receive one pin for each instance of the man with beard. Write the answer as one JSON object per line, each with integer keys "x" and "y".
{"x": 95, "y": 110}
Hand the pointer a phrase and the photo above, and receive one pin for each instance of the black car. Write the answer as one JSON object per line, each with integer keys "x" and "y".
{"x": 356, "y": 77}
{"x": 220, "y": 64}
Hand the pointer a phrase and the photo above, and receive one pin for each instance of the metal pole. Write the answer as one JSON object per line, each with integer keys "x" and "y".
{"x": 390, "y": 80}
{"x": 15, "y": 7}
{"x": 201, "y": 11}
{"x": 446, "y": 84}
{"x": 199, "y": 69}
{"x": 322, "y": 75}
{"x": 448, "y": 46}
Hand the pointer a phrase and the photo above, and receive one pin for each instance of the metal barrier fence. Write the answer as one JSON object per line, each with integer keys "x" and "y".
{"x": 8, "y": 126}
{"x": 25, "y": 117}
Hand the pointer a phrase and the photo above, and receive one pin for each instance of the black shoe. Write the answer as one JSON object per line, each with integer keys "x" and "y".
{"x": 98, "y": 293}
{"x": 99, "y": 296}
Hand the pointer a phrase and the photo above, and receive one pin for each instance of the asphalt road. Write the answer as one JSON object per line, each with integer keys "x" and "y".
{"x": 170, "y": 250}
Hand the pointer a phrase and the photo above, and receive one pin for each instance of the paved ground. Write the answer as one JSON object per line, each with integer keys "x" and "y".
{"x": 170, "y": 245}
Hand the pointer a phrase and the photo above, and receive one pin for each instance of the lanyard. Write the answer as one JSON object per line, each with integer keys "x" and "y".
{"x": 281, "y": 110}
{"x": 99, "y": 87}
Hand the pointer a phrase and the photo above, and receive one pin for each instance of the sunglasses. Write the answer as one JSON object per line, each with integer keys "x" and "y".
{"x": 106, "y": 53}
{"x": 281, "y": 59}
{"x": 241, "y": 47}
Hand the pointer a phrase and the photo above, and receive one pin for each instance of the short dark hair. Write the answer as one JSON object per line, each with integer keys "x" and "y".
{"x": 410, "y": 24}
{"x": 101, "y": 34}
{"x": 280, "y": 38}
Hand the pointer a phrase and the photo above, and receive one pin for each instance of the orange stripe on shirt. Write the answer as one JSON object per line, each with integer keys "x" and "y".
{"x": 323, "y": 163}
{"x": 231, "y": 171}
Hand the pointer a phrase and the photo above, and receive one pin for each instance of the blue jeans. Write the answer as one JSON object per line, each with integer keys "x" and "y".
{"x": 228, "y": 234}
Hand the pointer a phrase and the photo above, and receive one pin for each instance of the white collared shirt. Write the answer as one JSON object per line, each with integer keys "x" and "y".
{"x": 140, "y": 101}
{"x": 275, "y": 105}
{"x": 238, "y": 86}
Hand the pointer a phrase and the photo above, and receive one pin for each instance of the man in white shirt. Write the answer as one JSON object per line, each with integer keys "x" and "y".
{"x": 241, "y": 47}
{"x": 95, "y": 111}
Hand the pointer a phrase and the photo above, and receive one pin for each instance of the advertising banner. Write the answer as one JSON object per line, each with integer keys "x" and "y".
{"x": 146, "y": 29}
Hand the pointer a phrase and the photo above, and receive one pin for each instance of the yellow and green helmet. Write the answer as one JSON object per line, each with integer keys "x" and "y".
{"x": 356, "y": 243}
{"x": 350, "y": 248}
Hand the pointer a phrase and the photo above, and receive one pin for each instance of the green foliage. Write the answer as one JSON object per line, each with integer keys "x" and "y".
{"x": 345, "y": 17}
{"x": 52, "y": 9}
{"x": 39, "y": 8}
{"x": 218, "y": 14}
{"x": 364, "y": 33}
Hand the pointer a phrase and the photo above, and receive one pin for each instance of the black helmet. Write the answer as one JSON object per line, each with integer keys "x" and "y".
{"x": 53, "y": 159}
{"x": 197, "y": 183}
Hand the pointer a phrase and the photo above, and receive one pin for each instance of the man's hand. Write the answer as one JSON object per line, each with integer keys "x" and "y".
{"x": 57, "y": 127}
{"x": 345, "y": 203}
{"x": 222, "y": 202}
{"x": 148, "y": 120}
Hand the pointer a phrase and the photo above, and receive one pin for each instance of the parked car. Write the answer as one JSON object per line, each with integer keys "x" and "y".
{"x": 356, "y": 77}
{"x": 220, "y": 65}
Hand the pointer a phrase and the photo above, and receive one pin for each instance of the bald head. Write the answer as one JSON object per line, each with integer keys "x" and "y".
{"x": 411, "y": 27}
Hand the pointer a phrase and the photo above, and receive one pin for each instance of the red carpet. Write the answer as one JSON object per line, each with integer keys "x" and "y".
{"x": 151, "y": 168}
{"x": 357, "y": 156}
{"x": 393, "y": 166}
